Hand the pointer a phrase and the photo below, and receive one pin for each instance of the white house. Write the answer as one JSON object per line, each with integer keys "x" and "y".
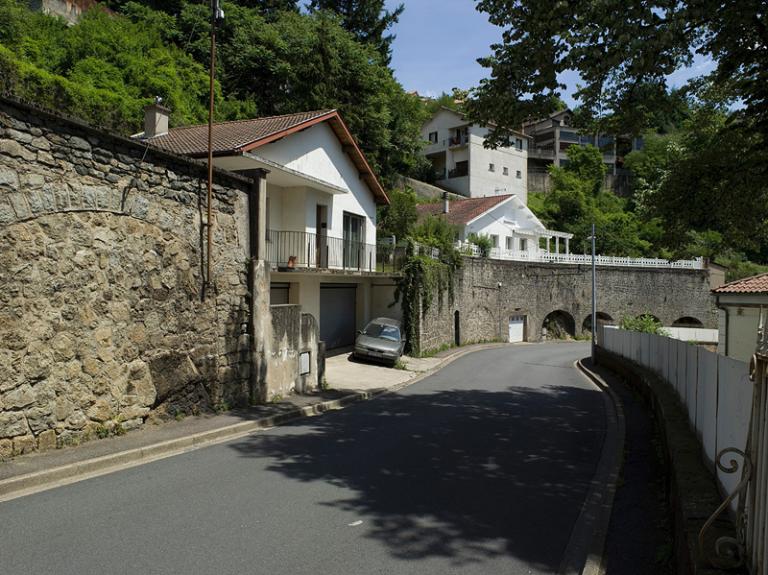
{"x": 321, "y": 198}
{"x": 515, "y": 232}
{"x": 739, "y": 303}
{"x": 464, "y": 166}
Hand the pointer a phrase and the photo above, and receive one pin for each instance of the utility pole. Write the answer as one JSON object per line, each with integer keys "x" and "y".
{"x": 594, "y": 296}
{"x": 216, "y": 14}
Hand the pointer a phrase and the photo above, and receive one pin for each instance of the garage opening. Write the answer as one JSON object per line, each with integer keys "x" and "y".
{"x": 338, "y": 315}
{"x": 516, "y": 328}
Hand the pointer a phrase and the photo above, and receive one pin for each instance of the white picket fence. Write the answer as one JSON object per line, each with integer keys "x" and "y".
{"x": 579, "y": 259}
{"x": 715, "y": 390}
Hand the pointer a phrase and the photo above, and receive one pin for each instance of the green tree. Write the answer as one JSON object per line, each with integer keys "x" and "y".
{"x": 398, "y": 218}
{"x": 623, "y": 54}
{"x": 368, "y": 20}
{"x": 645, "y": 323}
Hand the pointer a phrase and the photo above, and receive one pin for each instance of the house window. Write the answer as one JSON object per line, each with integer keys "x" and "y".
{"x": 519, "y": 144}
{"x": 519, "y": 175}
{"x": 523, "y": 245}
{"x": 494, "y": 241}
{"x": 353, "y": 240}
{"x": 505, "y": 170}
{"x": 510, "y": 243}
{"x": 433, "y": 137}
{"x": 491, "y": 167}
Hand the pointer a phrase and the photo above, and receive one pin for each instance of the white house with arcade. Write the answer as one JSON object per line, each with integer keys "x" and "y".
{"x": 515, "y": 232}
{"x": 320, "y": 213}
{"x": 463, "y": 165}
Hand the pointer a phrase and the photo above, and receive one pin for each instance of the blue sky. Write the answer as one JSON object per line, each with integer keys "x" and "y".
{"x": 439, "y": 41}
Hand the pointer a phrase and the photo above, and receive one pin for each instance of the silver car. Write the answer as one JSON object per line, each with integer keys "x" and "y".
{"x": 381, "y": 340}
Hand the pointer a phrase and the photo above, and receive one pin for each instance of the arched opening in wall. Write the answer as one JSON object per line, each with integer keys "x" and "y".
{"x": 653, "y": 317}
{"x": 602, "y": 319}
{"x": 687, "y": 321}
{"x": 456, "y": 328}
{"x": 558, "y": 324}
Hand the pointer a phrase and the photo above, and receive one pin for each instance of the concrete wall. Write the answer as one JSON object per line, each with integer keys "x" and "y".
{"x": 481, "y": 181}
{"x": 536, "y": 290}
{"x": 103, "y": 316}
{"x": 293, "y": 333}
{"x": 738, "y": 333}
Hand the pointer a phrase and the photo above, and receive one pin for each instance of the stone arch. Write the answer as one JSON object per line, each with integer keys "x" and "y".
{"x": 559, "y": 324}
{"x": 687, "y": 321}
{"x": 644, "y": 314}
{"x": 602, "y": 318}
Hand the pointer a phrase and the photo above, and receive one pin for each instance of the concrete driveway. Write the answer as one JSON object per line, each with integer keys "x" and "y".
{"x": 343, "y": 372}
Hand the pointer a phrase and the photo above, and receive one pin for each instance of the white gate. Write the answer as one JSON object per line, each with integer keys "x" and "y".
{"x": 516, "y": 328}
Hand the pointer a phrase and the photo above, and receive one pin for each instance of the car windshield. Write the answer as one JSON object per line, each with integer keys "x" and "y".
{"x": 390, "y": 332}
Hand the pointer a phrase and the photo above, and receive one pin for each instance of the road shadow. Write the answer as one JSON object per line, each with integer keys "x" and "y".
{"x": 465, "y": 475}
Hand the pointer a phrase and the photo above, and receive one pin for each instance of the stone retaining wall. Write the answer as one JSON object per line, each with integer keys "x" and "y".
{"x": 102, "y": 259}
{"x": 488, "y": 292}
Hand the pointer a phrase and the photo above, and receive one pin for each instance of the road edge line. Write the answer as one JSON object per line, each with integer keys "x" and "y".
{"x": 595, "y": 515}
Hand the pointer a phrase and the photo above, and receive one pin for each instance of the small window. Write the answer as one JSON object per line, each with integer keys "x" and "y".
{"x": 494, "y": 241}
{"x": 491, "y": 167}
{"x": 523, "y": 244}
{"x": 519, "y": 144}
{"x": 505, "y": 170}
{"x": 510, "y": 243}
{"x": 519, "y": 175}
{"x": 433, "y": 137}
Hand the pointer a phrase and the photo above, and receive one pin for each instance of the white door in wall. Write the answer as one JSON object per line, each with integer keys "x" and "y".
{"x": 516, "y": 328}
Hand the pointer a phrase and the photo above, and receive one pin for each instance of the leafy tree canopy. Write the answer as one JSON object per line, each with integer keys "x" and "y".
{"x": 623, "y": 53}
{"x": 368, "y": 20}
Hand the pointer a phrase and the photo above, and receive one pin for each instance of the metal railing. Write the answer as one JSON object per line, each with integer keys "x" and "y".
{"x": 290, "y": 251}
{"x": 579, "y": 259}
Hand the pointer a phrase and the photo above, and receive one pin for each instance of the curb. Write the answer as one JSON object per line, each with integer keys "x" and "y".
{"x": 591, "y": 528}
{"x": 27, "y": 484}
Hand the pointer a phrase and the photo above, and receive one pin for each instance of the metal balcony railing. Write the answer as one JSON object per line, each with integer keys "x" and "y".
{"x": 288, "y": 250}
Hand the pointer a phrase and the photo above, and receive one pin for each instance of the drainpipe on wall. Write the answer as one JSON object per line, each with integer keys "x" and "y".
{"x": 446, "y": 203}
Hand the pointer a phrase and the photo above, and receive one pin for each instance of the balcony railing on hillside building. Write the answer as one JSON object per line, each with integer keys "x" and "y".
{"x": 290, "y": 251}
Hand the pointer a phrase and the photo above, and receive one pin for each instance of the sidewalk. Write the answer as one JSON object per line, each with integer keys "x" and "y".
{"x": 349, "y": 382}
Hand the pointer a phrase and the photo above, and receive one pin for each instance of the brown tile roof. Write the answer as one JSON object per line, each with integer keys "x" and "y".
{"x": 229, "y": 137}
{"x": 754, "y": 284}
{"x": 461, "y": 212}
{"x": 245, "y": 135}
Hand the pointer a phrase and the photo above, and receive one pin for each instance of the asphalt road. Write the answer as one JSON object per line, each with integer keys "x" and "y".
{"x": 481, "y": 468}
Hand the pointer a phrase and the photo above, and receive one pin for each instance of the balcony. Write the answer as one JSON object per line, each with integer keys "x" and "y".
{"x": 295, "y": 251}
{"x": 461, "y": 170}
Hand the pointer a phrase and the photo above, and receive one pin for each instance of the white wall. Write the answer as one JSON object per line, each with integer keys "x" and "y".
{"x": 714, "y": 390}
{"x": 483, "y": 182}
{"x": 493, "y": 223}
{"x": 318, "y": 153}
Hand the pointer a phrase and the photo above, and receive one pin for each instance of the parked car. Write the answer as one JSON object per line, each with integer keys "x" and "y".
{"x": 381, "y": 340}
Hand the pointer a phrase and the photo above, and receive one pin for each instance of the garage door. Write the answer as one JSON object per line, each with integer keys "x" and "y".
{"x": 516, "y": 328}
{"x": 337, "y": 315}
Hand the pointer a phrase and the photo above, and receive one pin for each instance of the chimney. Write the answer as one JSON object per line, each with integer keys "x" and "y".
{"x": 156, "y": 119}
{"x": 446, "y": 206}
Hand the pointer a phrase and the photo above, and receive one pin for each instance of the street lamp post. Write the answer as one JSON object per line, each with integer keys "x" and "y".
{"x": 594, "y": 296}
